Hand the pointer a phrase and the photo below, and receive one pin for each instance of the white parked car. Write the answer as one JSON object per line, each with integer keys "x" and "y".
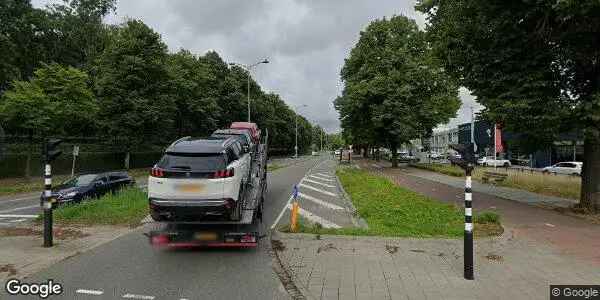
{"x": 196, "y": 178}
{"x": 569, "y": 168}
{"x": 435, "y": 155}
{"x": 491, "y": 162}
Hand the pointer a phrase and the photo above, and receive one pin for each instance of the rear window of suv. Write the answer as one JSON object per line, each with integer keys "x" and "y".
{"x": 195, "y": 162}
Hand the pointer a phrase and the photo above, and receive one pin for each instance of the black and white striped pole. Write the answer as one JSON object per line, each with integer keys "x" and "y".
{"x": 467, "y": 162}
{"x": 50, "y": 154}
{"x": 468, "y": 239}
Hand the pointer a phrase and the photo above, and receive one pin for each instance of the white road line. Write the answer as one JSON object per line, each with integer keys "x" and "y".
{"x": 282, "y": 212}
{"x": 321, "y": 178}
{"x": 317, "y": 190}
{"x": 89, "y": 292}
{"x": 19, "y": 208}
{"x": 292, "y": 196}
{"x": 320, "y": 202}
{"x": 17, "y": 220}
{"x": 4, "y": 223}
{"x": 325, "y": 175}
{"x": 316, "y": 182}
{"x": 20, "y": 199}
{"x": 134, "y": 296}
{"x": 315, "y": 219}
{"x": 19, "y": 216}
{"x": 550, "y": 225}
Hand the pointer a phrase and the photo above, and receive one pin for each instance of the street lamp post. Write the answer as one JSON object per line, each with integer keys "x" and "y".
{"x": 296, "y": 112}
{"x": 248, "y": 69}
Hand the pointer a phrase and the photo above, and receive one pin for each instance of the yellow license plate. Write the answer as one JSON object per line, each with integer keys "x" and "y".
{"x": 205, "y": 236}
{"x": 190, "y": 188}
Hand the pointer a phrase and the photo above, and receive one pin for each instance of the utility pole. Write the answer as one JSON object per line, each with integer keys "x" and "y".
{"x": 296, "y": 118}
{"x": 473, "y": 130}
{"x": 248, "y": 69}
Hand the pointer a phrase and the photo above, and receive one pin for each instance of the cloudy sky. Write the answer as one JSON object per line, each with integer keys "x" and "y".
{"x": 306, "y": 41}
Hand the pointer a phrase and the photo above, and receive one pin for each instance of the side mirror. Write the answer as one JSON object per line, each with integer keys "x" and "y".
{"x": 98, "y": 183}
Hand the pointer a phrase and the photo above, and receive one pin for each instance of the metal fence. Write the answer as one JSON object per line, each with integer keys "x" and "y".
{"x": 22, "y": 155}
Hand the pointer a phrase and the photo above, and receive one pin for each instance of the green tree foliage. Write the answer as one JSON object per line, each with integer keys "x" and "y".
{"x": 131, "y": 81}
{"x": 534, "y": 65}
{"x": 138, "y": 89}
{"x": 395, "y": 90}
{"x": 56, "y": 101}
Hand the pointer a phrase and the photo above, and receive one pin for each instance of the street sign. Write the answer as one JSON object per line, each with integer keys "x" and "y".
{"x": 75, "y": 150}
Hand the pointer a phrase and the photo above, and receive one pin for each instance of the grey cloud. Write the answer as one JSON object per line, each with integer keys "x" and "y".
{"x": 306, "y": 41}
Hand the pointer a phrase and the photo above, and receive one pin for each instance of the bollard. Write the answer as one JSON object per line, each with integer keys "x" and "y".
{"x": 294, "y": 217}
{"x": 47, "y": 206}
{"x": 468, "y": 239}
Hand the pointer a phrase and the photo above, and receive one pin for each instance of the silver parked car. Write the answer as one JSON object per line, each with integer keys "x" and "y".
{"x": 569, "y": 168}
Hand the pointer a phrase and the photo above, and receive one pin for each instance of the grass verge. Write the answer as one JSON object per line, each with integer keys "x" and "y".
{"x": 11, "y": 186}
{"x": 545, "y": 184}
{"x": 273, "y": 166}
{"x": 127, "y": 207}
{"x": 391, "y": 210}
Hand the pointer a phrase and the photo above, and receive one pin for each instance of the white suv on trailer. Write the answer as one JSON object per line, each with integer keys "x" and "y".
{"x": 199, "y": 178}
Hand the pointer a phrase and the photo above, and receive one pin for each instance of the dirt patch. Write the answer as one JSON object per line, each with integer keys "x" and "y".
{"x": 494, "y": 257}
{"x": 277, "y": 245}
{"x": 417, "y": 250}
{"x": 59, "y": 233}
{"x": 326, "y": 248}
{"x": 8, "y": 268}
{"x": 391, "y": 249}
{"x": 482, "y": 230}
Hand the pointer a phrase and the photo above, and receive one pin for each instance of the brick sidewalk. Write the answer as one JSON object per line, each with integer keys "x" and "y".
{"x": 335, "y": 267}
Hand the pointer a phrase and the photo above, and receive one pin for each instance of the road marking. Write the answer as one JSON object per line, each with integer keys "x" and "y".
{"x": 550, "y": 225}
{"x": 89, "y": 292}
{"x": 316, "y": 182}
{"x": 288, "y": 203}
{"x": 325, "y": 175}
{"x": 315, "y": 219}
{"x": 19, "y": 216}
{"x": 320, "y": 202}
{"x": 19, "y": 208}
{"x": 320, "y": 178}
{"x": 134, "y": 296}
{"x": 317, "y": 190}
{"x": 19, "y": 199}
{"x": 17, "y": 220}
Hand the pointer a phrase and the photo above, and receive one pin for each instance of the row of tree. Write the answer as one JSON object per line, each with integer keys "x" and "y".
{"x": 64, "y": 72}
{"x": 534, "y": 65}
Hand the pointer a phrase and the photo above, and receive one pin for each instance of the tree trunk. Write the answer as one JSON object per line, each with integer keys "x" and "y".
{"x": 590, "y": 180}
{"x": 394, "y": 149}
{"x": 366, "y": 152}
{"x": 126, "y": 162}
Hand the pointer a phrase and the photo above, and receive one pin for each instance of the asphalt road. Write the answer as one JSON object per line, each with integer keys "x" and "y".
{"x": 129, "y": 268}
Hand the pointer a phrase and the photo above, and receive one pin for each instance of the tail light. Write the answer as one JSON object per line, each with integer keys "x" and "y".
{"x": 160, "y": 240}
{"x": 224, "y": 173}
{"x": 157, "y": 172}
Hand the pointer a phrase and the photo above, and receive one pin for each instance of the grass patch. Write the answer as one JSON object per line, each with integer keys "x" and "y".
{"x": 545, "y": 184}
{"x": 11, "y": 186}
{"x": 127, "y": 207}
{"x": 273, "y": 166}
{"x": 391, "y": 210}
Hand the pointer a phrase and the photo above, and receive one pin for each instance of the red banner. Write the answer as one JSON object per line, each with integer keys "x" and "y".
{"x": 498, "y": 137}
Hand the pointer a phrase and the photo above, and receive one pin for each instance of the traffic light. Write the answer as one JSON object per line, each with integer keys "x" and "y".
{"x": 50, "y": 151}
{"x": 467, "y": 156}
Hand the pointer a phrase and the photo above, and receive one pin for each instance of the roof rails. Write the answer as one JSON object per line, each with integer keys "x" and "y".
{"x": 185, "y": 138}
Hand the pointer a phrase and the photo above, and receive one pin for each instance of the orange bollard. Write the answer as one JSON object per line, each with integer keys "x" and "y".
{"x": 294, "y": 217}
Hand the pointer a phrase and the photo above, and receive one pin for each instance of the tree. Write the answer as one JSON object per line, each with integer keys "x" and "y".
{"x": 131, "y": 80}
{"x": 534, "y": 65}
{"x": 395, "y": 90}
{"x": 56, "y": 101}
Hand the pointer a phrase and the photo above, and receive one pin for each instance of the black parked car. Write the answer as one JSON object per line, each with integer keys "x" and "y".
{"x": 91, "y": 186}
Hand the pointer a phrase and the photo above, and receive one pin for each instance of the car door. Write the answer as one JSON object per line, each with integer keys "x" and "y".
{"x": 568, "y": 169}
{"x": 100, "y": 185}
